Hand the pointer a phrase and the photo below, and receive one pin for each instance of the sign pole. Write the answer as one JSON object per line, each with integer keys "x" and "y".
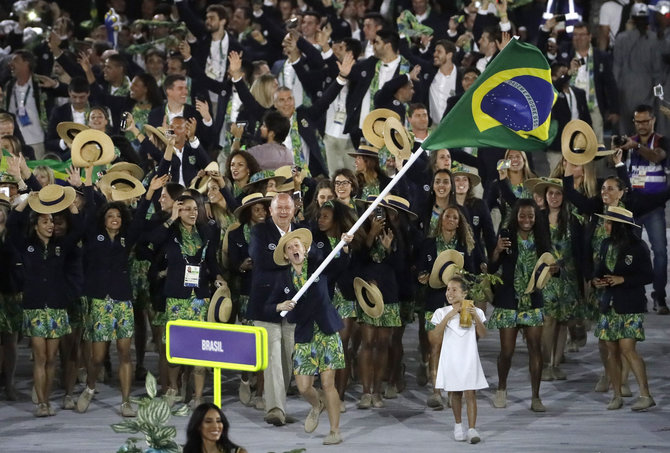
{"x": 217, "y": 386}
{"x": 357, "y": 225}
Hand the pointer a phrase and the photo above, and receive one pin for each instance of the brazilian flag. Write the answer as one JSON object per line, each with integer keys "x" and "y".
{"x": 59, "y": 168}
{"x": 508, "y": 106}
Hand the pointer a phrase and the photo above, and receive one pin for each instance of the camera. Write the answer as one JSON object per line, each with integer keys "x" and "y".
{"x": 580, "y": 61}
{"x": 560, "y": 18}
{"x": 241, "y": 124}
{"x": 658, "y": 91}
{"x": 619, "y": 140}
{"x": 504, "y": 233}
{"x": 504, "y": 164}
{"x": 380, "y": 214}
{"x": 169, "y": 133}
{"x": 124, "y": 121}
{"x": 297, "y": 196}
{"x": 292, "y": 23}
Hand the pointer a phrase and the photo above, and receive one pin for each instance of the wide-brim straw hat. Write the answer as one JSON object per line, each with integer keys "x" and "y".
{"x": 305, "y": 237}
{"x": 51, "y": 199}
{"x": 68, "y": 130}
{"x": 603, "y": 151}
{"x": 287, "y": 172}
{"x": 445, "y": 266}
{"x": 459, "y": 170}
{"x": 4, "y": 200}
{"x": 220, "y": 305}
{"x": 373, "y": 126}
{"x": 546, "y": 183}
{"x": 366, "y": 150}
{"x": 122, "y": 186}
{"x": 126, "y": 167}
{"x": 200, "y": 184}
{"x": 369, "y": 297}
{"x": 541, "y": 274}
{"x": 401, "y": 203}
{"x": 372, "y": 198}
{"x": 621, "y": 215}
{"x": 397, "y": 139}
{"x": 249, "y": 201}
{"x": 156, "y": 132}
{"x": 579, "y": 144}
{"x": 91, "y": 148}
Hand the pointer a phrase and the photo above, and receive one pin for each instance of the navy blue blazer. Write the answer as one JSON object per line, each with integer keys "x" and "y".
{"x": 313, "y": 307}
{"x": 52, "y": 139}
{"x": 634, "y": 265}
{"x": 204, "y": 133}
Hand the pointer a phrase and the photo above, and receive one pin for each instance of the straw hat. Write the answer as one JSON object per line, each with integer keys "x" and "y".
{"x": 126, "y": 167}
{"x": 540, "y": 274}
{"x": 250, "y": 200}
{"x": 621, "y": 215}
{"x": 68, "y": 130}
{"x": 372, "y": 198}
{"x": 445, "y": 266}
{"x": 603, "y": 151}
{"x": 51, "y": 199}
{"x": 200, "y": 184}
{"x": 399, "y": 203}
{"x": 305, "y": 237}
{"x": 91, "y": 148}
{"x": 397, "y": 139}
{"x": 457, "y": 170}
{"x": 287, "y": 172}
{"x": 373, "y": 126}
{"x": 156, "y": 132}
{"x": 366, "y": 150}
{"x": 545, "y": 183}
{"x": 579, "y": 143}
{"x": 122, "y": 186}
{"x": 369, "y": 297}
{"x": 220, "y": 306}
{"x": 4, "y": 200}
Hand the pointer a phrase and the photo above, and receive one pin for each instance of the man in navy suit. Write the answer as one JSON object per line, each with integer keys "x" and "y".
{"x": 189, "y": 156}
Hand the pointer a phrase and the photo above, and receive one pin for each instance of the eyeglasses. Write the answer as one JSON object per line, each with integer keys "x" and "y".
{"x": 343, "y": 183}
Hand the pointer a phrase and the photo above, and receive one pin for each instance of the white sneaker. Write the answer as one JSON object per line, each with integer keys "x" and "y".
{"x": 85, "y": 399}
{"x": 473, "y": 436}
{"x": 459, "y": 435}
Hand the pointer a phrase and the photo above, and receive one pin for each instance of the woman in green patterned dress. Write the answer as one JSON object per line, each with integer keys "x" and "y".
{"x": 515, "y": 310}
{"x": 509, "y": 187}
{"x": 561, "y": 294}
{"x": 623, "y": 270}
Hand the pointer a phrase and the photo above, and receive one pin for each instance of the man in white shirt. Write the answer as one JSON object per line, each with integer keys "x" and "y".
{"x": 444, "y": 84}
{"x": 372, "y": 23}
{"x": 23, "y": 98}
{"x": 487, "y": 46}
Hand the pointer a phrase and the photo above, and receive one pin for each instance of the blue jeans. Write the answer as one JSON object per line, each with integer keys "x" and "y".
{"x": 654, "y": 223}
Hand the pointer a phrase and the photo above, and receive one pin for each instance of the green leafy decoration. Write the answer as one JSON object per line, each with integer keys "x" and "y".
{"x": 128, "y": 426}
{"x": 151, "y": 385}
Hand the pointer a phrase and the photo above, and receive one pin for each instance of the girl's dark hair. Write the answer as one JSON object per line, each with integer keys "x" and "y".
{"x": 619, "y": 183}
{"x": 174, "y": 189}
{"x": 252, "y": 164}
{"x": 460, "y": 280}
{"x": 563, "y": 215}
{"x": 540, "y": 228}
{"x": 371, "y": 166}
{"x": 123, "y": 210}
{"x": 452, "y": 193}
{"x": 193, "y": 436}
{"x": 192, "y": 194}
{"x": 622, "y": 234}
{"x": 344, "y": 218}
{"x": 245, "y": 215}
{"x": 33, "y": 217}
{"x": 154, "y": 95}
{"x": 312, "y": 210}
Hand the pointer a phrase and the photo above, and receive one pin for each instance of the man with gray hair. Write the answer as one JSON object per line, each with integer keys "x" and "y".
{"x": 264, "y": 313}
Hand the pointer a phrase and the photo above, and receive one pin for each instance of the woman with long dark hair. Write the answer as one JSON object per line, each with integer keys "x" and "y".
{"x": 441, "y": 196}
{"x": 623, "y": 269}
{"x": 110, "y": 237}
{"x": 371, "y": 178}
{"x": 239, "y": 167}
{"x": 453, "y": 233}
{"x": 517, "y": 252}
{"x": 333, "y": 220}
{"x": 207, "y": 432}
{"x": 509, "y": 185}
{"x": 345, "y": 184}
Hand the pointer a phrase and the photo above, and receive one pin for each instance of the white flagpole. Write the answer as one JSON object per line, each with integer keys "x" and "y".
{"x": 356, "y": 225}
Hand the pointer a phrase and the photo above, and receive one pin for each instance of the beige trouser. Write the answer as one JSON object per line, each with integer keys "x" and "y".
{"x": 277, "y": 375}
{"x": 336, "y": 153}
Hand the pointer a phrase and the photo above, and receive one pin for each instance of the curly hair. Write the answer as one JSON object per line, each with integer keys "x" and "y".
{"x": 463, "y": 232}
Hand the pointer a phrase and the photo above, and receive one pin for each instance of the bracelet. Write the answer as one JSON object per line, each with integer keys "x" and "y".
{"x": 168, "y": 223}
{"x": 236, "y": 139}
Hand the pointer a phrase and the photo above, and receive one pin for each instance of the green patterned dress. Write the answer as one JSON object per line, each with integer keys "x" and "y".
{"x": 561, "y": 294}
{"x": 346, "y": 308}
{"x": 390, "y": 317}
{"x": 324, "y": 352}
{"x": 524, "y": 315}
{"x": 371, "y": 188}
{"x": 613, "y": 326}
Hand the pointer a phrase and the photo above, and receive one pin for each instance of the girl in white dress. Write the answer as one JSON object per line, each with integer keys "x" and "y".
{"x": 460, "y": 370}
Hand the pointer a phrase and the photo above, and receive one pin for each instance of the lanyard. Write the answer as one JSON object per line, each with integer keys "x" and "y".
{"x": 16, "y": 96}
{"x": 185, "y": 256}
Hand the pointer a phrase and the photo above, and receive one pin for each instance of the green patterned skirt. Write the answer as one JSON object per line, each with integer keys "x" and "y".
{"x": 346, "y": 308}
{"x": 324, "y": 352}
{"x": 139, "y": 280}
{"x": 11, "y": 313}
{"x": 192, "y": 309}
{"x": 242, "y": 315}
{"x": 427, "y": 323}
{"x": 407, "y": 311}
{"x": 110, "y": 319}
{"x": 614, "y": 327}
{"x": 49, "y": 323}
{"x": 505, "y": 318}
{"x": 390, "y": 316}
